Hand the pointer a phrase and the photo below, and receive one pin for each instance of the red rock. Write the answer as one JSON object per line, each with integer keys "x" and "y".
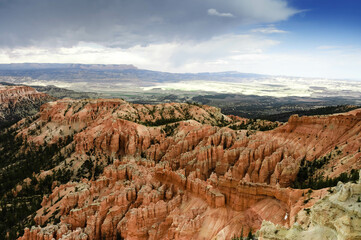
{"x": 173, "y": 187}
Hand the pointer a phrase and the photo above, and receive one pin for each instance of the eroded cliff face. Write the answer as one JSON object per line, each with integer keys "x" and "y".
{"x": 337, "y": 216}
{"x": 17, "y": 102}
{"x": 171, "y": 173}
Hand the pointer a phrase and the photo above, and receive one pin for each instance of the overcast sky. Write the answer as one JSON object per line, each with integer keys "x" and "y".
{"x": 320, "y": 38}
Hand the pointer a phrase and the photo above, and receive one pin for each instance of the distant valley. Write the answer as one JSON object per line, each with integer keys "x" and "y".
{"x": 242, "y": 94}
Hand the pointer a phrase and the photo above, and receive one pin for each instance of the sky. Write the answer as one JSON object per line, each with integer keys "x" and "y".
{"x": 306, "y": 38}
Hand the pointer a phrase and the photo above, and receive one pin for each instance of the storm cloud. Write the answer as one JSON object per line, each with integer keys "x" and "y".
{"x": 127, "y": 23}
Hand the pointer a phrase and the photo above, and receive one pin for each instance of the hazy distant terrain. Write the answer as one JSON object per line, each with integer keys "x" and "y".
{"x": 61, "y": 92}
{"x": 243, "y": 94}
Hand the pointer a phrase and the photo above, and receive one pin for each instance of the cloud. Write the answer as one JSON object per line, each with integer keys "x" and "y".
{"x": 214, "y": 54}
{"x": 230, "y": 52}
{"x": 124, "y": 23}
{"x": 220, "y": 49}
{"x": 214, "y": 12}
{"x": 268, "y": 30}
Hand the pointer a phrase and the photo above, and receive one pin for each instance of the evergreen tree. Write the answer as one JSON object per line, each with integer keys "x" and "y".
{"x": 250, "y": 235}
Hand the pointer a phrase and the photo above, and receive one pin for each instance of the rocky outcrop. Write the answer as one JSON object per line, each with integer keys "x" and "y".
{"x": 10, "y": 95}
{"x": 337, "y": 216}
{"x": 171, "y": 171}
{"x": 17, "y": 102}
{"x": 135, "y": 201}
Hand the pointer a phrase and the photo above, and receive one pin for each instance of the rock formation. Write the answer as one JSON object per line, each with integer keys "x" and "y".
{"x": 17, "y": 102}
{"x": 171, "y": 172}
{"x": 337, "y": 216}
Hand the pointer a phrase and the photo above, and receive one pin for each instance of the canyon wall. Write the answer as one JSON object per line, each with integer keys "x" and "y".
{"x": 17, "y": 102}
{"x": 176, "y": 171}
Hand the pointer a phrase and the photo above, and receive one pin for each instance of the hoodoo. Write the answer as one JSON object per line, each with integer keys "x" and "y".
{"x": 176, "y": 171}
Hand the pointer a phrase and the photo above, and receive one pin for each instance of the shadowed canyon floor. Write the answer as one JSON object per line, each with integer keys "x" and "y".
{"x": 176, "y": 171}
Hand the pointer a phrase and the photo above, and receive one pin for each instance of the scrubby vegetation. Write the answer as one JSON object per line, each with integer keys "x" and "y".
{"x": 322, "y": 182}
{"x": 253, "y": 124}
{"x": 90, "y": 169}
{"x": 162, "y": 121}
{"x": 283, "y": 117}
{"x": 18, "y": 161}
{"x": 250, "y": 236}
{"x": 168, "y": 118}
{"x": 307, "y": 177}
{"x": 169, "y": 129}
